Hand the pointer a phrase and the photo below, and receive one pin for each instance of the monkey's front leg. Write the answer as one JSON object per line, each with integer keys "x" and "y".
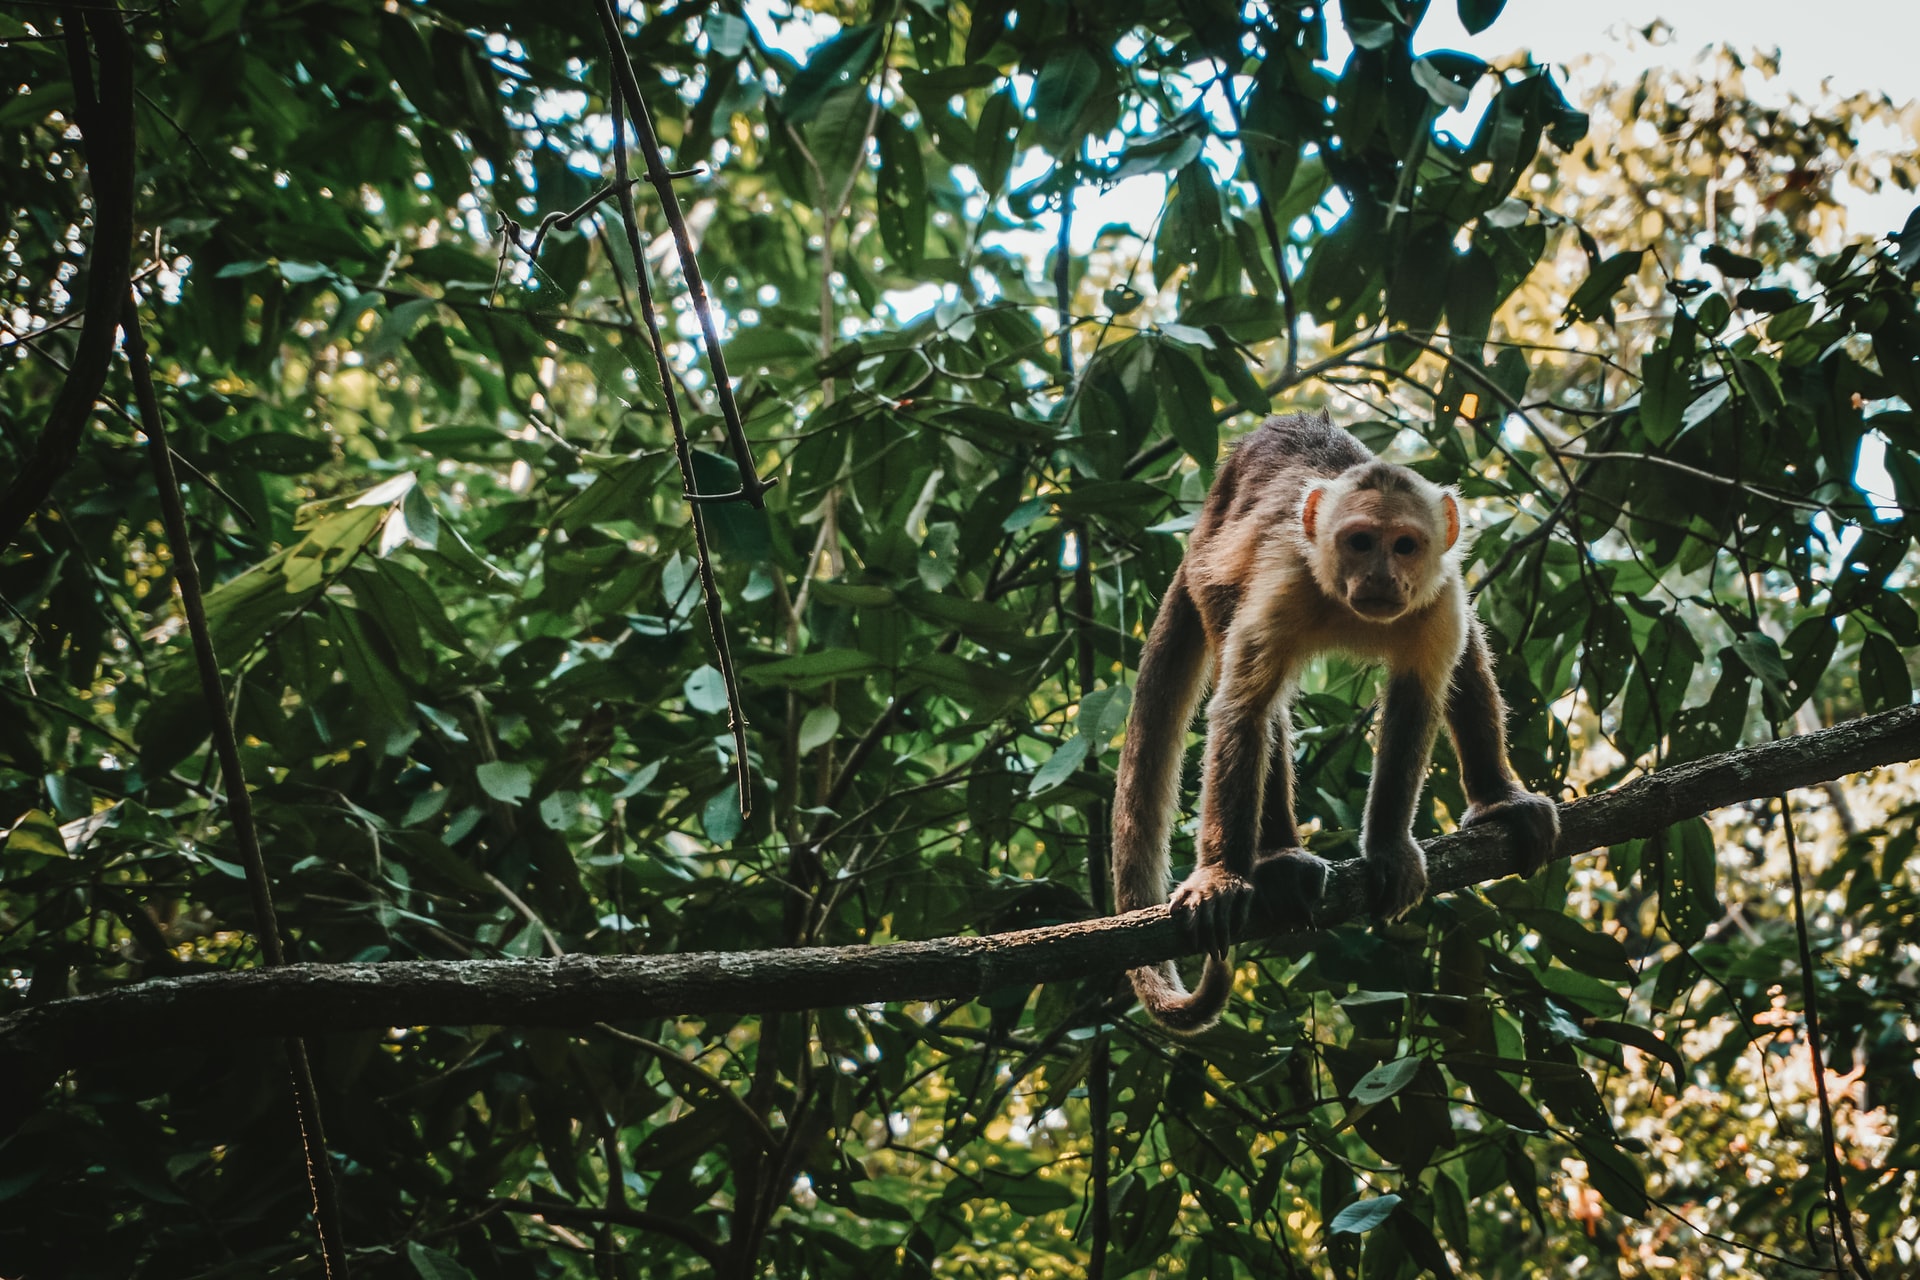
{"x": 1477, "y": 718}
{"x": 1396, "y": 869}
{"x": 1288, "y": 881}
{"x": 1217, "y": 899}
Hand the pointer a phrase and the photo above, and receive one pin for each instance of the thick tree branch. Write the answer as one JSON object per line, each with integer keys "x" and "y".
{"x": 105, "y": 116}
{"x": 576, "y": 991}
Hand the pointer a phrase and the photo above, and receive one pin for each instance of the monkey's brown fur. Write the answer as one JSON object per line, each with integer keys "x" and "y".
{"x": 1306, "y": 543}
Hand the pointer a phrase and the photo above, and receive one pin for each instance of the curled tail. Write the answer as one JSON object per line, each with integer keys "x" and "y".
{"x": 1172, "y": 668}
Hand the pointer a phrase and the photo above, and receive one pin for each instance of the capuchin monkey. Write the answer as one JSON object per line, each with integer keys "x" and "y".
{"x": 1306, "y": 544}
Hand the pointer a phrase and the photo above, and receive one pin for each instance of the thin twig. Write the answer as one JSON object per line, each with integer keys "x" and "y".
{"x": 306, "y": 1096}
{"x": 1840, "y": 1218}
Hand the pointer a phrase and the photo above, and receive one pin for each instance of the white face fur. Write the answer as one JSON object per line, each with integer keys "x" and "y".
{"x": 1380, "y": 552}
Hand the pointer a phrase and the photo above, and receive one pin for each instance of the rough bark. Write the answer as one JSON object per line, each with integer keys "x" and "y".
{"x": 571, "y": 991}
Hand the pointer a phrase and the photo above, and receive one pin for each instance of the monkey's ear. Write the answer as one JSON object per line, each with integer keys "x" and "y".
{"x": 1451, "y": 510}
{"x": 1310, "y": 508}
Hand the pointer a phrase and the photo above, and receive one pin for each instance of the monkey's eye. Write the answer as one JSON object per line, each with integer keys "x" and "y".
{"x": 1361, "y": 542}
{"x": 1405, "y": 546}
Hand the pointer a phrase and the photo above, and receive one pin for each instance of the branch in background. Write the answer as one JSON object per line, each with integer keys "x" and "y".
{"x": 627, "y": 88}
{"x": 105, "y": 116}
{"x": 575, "y": 991}
{"x": 683, "y": 451}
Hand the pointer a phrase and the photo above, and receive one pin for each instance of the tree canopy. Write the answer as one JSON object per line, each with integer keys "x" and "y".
{"x": 479, "y": 491}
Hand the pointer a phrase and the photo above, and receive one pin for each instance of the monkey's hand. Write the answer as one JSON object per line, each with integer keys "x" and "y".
{"x": 1532, "y": 822}
{"x": 1396, "y": 876}
{"x": 1213, "y": 903}
{"x": 1288, "y": 884}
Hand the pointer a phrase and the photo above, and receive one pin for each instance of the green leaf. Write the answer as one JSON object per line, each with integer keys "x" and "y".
{"x": 1477, "y": 15}
{"x": 706, "y": 691}
{"x": 1000, "y": 122}
{"x": 737, "y": 528}
{"x": 1616, "y": 1175}
{"x": 1448, "y": 77}
{"x": 1640, "y": 1037}
{"x": 1188, "y": 404}
{"x": 1705, "y": 404}
{"x": 431, "y": 1264}
{"x": 726, "y": 34}
{"x": 1364, "y": 1215}
{"x": 34, "y": 839}
{"x": 1729, "y": 263}
{"x": 720, "y": 818}
{"x": 832, "y": 67}
{"x": 1689, "y": 897}
{"x": 1593, "y": 300}
{"x": 838, "y": 137}
{"x": 280, "y": 452}
{"x": 505, "y": 780}
{"x": 817, "y": 729}
{"x": 1067, "y": 84}
{"x": 810, "y": 669}
{"x": 1066, "y": 758}
{"x": 1102, "y": 713}
{"x": 1769, "y": 300}
{"x": 1714, "y": 314}
{"x": 1884, "y": 680}
{"x": 1385, "y": 1080}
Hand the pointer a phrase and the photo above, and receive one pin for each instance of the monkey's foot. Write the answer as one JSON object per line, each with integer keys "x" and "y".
{"x": 1213, "y": 903}
{"x": 1532, "y": 822}
{"x": 1289, "y": 884}
{"x": 1396, "y": 878}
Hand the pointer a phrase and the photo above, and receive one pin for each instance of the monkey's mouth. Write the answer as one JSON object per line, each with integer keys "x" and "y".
{"x": 1380, "y": 607}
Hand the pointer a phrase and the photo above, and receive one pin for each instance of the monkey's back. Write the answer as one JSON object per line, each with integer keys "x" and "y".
{"x": 1260, "y": 482}
{"x": 1254, "y": 503}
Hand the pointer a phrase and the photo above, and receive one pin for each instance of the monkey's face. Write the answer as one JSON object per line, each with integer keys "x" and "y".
{"x": 1380, "y": 552}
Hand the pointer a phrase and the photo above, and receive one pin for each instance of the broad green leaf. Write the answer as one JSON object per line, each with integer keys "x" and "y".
{"x": 726, "y": 34}
{"x": 832, "y": 67}
{"x": 1187, "y": 403}
{"x": 1732, "y": 265}
{"x": 1884, "y": 680}
{"x": 431, "y": 1264}
{"x": 993, "y": 147}
{"x": 706, "y": 691}
{"x": 507, "y": 781}
{"x": 1385, "y": 1080}
{"x": 809, "y": 669}
{"x": 1065, "y": 88}
{"x": 1066, "y": 758}
{"x": 817, "y": 729}
{"x": 1593, "y": 300}
{"x": 720, "y": 818}
{"x": 1364, "y": 1215}
{"x": 1477, "y": 15}
{"x": 1689, "y": 897}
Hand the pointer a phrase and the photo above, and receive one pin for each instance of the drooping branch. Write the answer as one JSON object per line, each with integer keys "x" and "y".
{"x": 574, "y": 991}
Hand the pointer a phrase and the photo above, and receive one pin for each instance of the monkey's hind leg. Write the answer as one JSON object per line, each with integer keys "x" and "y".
{"x": 1532, "y": 823}
{"x": 1288, "y": 881}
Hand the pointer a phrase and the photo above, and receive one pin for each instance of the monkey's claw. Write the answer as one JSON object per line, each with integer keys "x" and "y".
{"x": 1396, "y": 878}
{"x": 1289, "y": 884}
{"x": 1214, "y": 904}
{"x": 1532, "y": 822}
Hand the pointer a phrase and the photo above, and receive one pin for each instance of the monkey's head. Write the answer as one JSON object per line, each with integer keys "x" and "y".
{"x": 1380, "y": 539}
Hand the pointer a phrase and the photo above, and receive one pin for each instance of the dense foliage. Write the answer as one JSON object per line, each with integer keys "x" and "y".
{"x": 454, "y": 585}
